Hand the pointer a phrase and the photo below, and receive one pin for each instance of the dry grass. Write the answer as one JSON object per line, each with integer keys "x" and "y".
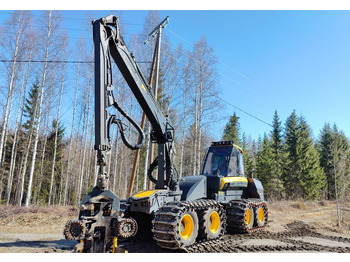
{"x": 36, "y": 219}
{"x": 321, "y": 215}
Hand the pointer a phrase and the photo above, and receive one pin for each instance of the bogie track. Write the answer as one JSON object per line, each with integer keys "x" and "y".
{"x": 238, "y": 216}
{"x": 246, "y": 215}
{"x": 169, "y": 228}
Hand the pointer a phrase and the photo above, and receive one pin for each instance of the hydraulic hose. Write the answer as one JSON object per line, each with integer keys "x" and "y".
{"x": 172, "y": 178}
{"x": 114, "y": 120}
{"x": 151, "y": 169}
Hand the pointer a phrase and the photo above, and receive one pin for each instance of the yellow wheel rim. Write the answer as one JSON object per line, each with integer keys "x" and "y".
{"x": 248, "y": 216}
{"x": 186, "y": 226}
{"x": 261, "y": 214}
{"x": 214, "y": 222}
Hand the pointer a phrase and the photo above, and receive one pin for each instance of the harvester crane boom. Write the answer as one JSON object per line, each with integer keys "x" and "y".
{"x": 109, "y": 43}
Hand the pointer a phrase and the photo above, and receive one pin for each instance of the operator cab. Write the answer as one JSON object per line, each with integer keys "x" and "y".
{"x": 223, "y": 159}
{"x": 222, "y": 178}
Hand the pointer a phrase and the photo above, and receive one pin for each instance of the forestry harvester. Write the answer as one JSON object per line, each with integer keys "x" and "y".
{"x": 178, "y": 212}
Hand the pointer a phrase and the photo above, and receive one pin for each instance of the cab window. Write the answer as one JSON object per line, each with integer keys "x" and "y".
{"x": 217, "y": 161}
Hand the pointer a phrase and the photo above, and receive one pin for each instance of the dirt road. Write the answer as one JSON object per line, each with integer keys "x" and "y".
{"x": 292, "y": 227}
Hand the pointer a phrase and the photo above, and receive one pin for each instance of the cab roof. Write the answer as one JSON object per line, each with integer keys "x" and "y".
{"x": 227, "y": 143}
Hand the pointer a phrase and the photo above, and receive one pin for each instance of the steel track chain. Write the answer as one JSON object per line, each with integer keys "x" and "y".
{"x": 166, "y": 221}
{"x": 236, "y": 210}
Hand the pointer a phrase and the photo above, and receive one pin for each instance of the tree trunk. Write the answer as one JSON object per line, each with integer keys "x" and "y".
{"x": 147, "y": 141}
{"x": 58, "y": 123}
{"x": 199, "y": 147}
{"x": 195, "y": 133}
{"x": 336, "y": 192}
{"x": 183, "y": 129}
{"x": 24, "y": 166}
{"x": 39, "y": 177}
{"x": 84, "y": 143}
{"x": 5, "y": 141}
{"x": 91, "y": 151}
{"x": 277, "y": 176}
{"x": 29, "y": 191}
{"x": 72, "y": 130}
{"x": 116, "y": 163}
{"x": 10, "y": 90}
{"x": 18, "y": 124}
{"x": 61, "y": 185}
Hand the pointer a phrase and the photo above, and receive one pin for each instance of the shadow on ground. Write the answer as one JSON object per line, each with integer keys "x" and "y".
{"x": 56, "y": 244}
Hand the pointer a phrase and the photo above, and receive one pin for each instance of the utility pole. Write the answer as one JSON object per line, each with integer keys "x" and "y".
{"x": 154, "y": 75}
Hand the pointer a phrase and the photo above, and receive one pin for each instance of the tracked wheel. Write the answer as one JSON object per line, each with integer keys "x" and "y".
{"x": 246, "y": 215}
{"x": 187, "y": 228}
{"x": 249, "y": 217}
{"x": 261, "y": 215}
{"x": 175, "y": 225}
{"x": 211, "y": 223}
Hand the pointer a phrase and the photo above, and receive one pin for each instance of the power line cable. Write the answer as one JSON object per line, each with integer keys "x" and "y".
{"x": 206, "y": 74}
{"x": 69, "y": 29}
{"x": 212, "y": 94}
{"x": 227, "y": 77}
{"x": 76, "y": 62}
{"x": 227, "y": 66}
{"x": 126, "y": 23}
{"x": 58, "y": 61}
{"x": 73, "y": 18}
{"x": 243, "y": 111}
{"x": 230, "y": 80}
{"x": 49, "y": 61}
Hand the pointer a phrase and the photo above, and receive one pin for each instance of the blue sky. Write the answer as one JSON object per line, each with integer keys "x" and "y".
{"x": 267, "y": 61}
{"x": 272, "y": 60}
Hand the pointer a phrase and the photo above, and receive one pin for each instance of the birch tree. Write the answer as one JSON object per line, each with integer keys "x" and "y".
{"x": 20, "y": 20}
{"x": 31, "y": 110}
{"x": 69, "y": 157}
{"x": 185, "y": 90}
{"x": 205, "y": 102}
{"x": 85, "y": 132}
{"x": 65, "y": 40}
{"x": 50, "y": 28}
{"x": 25, "y": 77}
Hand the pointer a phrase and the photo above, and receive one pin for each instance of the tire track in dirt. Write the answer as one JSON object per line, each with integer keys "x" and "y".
{"x": 297, "y": 238}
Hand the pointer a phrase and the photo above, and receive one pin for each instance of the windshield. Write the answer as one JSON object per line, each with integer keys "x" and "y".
{"x": 217, "y": 160}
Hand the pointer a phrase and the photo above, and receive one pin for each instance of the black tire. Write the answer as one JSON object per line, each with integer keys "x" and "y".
{"x": 144, "y": 224}
{"x": 210, "y": 224}
{"x": 187, "y": 228}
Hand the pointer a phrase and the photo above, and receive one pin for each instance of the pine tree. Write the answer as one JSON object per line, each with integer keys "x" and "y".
{"x": 49, "y": 153}
{"x": 264, "y": 167}
{"x": 30, "y": 106}
{"x": 29, "y": 111}
{"x": 290, "y": 170}
{"x": 248, "y": 161}
{"x": 231, "y": 130}
{"x": 324, "y": 147}
{"x": 311, "y": 177}
{"x": 44, "y": 194}
{"x": 277, "y": 151}
{"x": 341, "y": 170}
{"x": 302, "y": 175}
